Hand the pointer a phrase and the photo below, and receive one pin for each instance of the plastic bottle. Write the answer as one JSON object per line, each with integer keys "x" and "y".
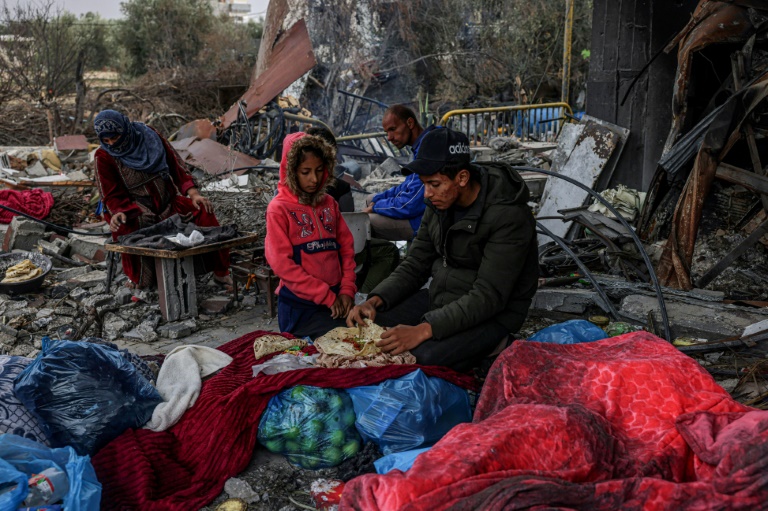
{"x": 48, "y": 487}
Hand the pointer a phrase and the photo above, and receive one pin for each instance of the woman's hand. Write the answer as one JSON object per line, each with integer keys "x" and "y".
{"x": 116, "y": 221}
{"x": 341, "y": 306}
{"x": 199, "y": 201}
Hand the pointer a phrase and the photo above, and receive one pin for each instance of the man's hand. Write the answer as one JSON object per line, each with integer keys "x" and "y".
{"x": 367, "y": 309}
{"x": 369, "y": 208}
{"x": 116, "y": 221}
{"x": 199, "y": 201}
{"x": 404, "y": 338}
{"x": 341, "y": 306}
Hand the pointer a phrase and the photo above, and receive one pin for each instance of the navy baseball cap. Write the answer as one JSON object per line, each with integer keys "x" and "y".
{"x": 439, "y": 148}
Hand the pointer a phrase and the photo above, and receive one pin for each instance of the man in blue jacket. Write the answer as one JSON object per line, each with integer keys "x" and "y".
{"x": 396, "y": 213}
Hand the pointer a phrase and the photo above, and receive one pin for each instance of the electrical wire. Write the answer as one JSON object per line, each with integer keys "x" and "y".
{"x": 638, "y": 243}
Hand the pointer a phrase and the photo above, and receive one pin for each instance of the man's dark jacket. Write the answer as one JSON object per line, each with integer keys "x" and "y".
{"x": 483, "y": 267}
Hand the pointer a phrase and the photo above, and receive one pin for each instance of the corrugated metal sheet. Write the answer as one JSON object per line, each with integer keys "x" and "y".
{"x": 291, "y": 57}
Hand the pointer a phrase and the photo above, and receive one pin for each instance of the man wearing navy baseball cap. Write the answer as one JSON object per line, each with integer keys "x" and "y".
{"x": 477, "y": 241}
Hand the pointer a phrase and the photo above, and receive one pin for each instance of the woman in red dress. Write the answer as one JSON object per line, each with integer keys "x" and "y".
{"x": 143, "y": 181}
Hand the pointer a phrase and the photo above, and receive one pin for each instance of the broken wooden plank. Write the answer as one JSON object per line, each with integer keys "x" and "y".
{"x": 247, "y": 237}
{"x": 750, "y": 180}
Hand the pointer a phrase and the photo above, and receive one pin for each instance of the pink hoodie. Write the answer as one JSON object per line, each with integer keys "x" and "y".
{"x": 309, "y": 247}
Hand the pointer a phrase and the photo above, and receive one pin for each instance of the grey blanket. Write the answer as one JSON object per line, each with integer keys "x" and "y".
{"x": 155, "y": 235}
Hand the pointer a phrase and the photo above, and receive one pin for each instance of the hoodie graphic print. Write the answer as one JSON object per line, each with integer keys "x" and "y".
{"x": 308, "y": 244}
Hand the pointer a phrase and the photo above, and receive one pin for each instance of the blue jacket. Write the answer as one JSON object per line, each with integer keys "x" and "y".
{"x": 406, "y": 200}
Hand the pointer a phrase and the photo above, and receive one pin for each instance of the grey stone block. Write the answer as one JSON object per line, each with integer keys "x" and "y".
{"x": 89, "y": 280}
{"x": 86, "y": 246}
{"x": 178, "y": 330}
{"x": 72, "y": 273}
{"x": 569, "y": 301}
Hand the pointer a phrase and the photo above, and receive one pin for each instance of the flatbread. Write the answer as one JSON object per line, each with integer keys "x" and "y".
{"x": 350, "y": 342}
{"x": 21, "y": 272}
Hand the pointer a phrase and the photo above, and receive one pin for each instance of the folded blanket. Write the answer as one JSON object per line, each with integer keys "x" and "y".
{"x": 155, "y": 236}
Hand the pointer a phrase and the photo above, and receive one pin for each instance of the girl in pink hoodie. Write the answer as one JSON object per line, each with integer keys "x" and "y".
{"x": 308, "y": 244}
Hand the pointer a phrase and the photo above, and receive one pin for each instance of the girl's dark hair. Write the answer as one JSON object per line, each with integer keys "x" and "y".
{"x": 324, "y": 133}
{"x": 310, "y": 149}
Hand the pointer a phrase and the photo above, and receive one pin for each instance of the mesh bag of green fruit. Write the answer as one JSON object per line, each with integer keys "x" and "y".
{"x": 312, "y": 426}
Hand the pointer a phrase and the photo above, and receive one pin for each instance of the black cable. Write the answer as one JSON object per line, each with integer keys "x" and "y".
{"x": 608, "y": 304}
{"x": 54, "y": 226}
{"x": 638, "y": 243}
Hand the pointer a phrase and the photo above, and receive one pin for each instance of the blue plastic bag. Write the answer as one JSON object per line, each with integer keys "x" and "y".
{"x": 313, "y": 427}
{"x": 85, "y": 395}
{"x": 13, "y": 486}
{"x": 28, "y": 457}
{"x": 574, "y": 331}
{"x": 402, "y": 461}
{"x": 409, "y": 412}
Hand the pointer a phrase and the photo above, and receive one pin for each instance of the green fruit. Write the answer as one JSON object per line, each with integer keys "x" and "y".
{"x": 309, "y": 444}
{"x": 335, "y": 402}
{"x": 333, "y": 456}
{"x": 277, "y": 445}
{"x": 298, "y": 392}
{"x": 348, "y": 418}
{"x": 315, "y": 427}
{"x": 312, "y": 462}
{"x": 296, "y": 460}
{"x": 351, "y": 448}
{"x": 292, "y": 433}
{"x": 292, "y": 447}
{"x": 337, "y": 438}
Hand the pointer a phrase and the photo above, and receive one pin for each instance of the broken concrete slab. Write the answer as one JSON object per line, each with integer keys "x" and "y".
{"x": 114, "y": 326}
{"x": 695, "y": 318}
{"x": 71, "y": 273}
{"x": 96, "y": 301}
{"x": 216, "y": 305}
{"x": 88, "y": 280}
{"x": 178, "y": 330}
{"x": 22, "y": 234}
{"x": 566, "y": 301}
{"x": 87, "y": 245}
{"x": 37, "y": 169}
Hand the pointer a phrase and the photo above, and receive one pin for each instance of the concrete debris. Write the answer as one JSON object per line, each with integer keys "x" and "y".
{"x": 239, "y": 489}
{"x": 22, "y": 234}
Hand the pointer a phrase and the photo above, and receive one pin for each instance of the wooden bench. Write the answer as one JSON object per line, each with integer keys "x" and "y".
{"x": 175, "y": 273}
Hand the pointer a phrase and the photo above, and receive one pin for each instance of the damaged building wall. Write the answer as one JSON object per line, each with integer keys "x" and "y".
{"x": 626, "y": 35}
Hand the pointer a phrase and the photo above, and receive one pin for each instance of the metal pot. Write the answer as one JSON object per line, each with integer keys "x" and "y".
{"x": 13, "y": 258}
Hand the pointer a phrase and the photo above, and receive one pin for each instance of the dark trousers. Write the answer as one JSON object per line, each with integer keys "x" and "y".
{"x": 317, "y": 324}
{"x": 461, "y": 351}
{"x": 303, "y": 318}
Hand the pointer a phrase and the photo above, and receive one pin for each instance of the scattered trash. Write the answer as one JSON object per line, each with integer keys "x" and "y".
{"x": 326, "y": 493}
{"x": 78, "y": 487}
